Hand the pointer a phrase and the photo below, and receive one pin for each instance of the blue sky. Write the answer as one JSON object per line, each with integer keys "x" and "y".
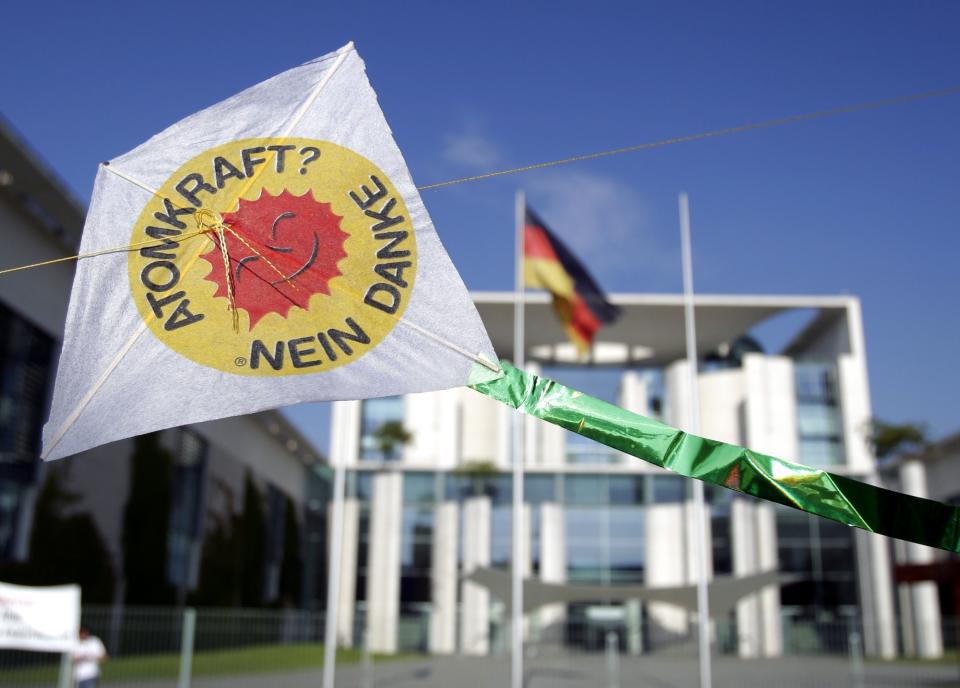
{"x": 865, "y": 203}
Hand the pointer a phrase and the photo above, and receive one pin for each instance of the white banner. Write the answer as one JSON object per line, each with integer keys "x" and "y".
{"x": 41, "y": 619}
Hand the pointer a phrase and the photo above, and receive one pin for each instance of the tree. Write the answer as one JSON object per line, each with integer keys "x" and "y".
{"x": 64, "y": 548}
{"x": 391, "y": 435}
{"x": 252, "y": 536}
{"x": 291, "y": 567}
{"x": 479, "y": 473}
{"x": 221, "y": 573}
{"x": 890, "y": 439}
{"x": 146, "y": 523}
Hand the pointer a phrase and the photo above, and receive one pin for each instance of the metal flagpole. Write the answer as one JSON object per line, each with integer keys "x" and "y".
{"x": 699, "y": 506}
{"x": 333, "y": 576}
{"x": 516, "y": 664}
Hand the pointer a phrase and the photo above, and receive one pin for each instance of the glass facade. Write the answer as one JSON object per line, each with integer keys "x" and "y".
{"x": 416, "y": 561}
{"x": 822, "y": 555}
{"x": 273, "y": 556}
{"x": 819, "y": 431}
{"x": 186, "y": 512}
{"x": 360, "y": 487}
{"x": 374, "y": 414}
{"x": 501, "y": 535}
{"x": 604, "y": 527}
{"x": 319, "y": 488}
{"x": 604, "y": 543}
{"x": 25, "y": 357}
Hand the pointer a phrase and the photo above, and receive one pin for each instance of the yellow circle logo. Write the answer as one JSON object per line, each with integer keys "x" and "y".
{"x": 306, "y": 263}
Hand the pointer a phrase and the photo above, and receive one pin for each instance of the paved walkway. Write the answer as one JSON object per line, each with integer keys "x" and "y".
{"x": 590, "y": 671}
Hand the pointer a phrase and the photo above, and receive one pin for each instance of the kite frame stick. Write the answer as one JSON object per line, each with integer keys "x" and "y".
{"x": 125, "y": 348}
{"x": 82, "y": 405}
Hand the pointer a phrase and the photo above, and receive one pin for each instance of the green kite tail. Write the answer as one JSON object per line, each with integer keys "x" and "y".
{"x": 815, "y": 491}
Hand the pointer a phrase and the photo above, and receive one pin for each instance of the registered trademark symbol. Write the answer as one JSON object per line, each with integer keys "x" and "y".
{"x": 240, "y": 361}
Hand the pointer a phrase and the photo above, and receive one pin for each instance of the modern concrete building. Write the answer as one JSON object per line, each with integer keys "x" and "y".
{"x": 928, "y": 579}
{"x": 209, "y": 462}
{"x": 420, "y": 519}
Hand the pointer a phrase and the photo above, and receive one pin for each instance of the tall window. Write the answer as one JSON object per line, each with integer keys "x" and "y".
{"x": 186, "y": 512}
{"x": 25, "y": 355}
{"x": 319, "y": 487}
{"x": 720, "y": 500}
{"x": 416, "y": 538}
{"x": 416, "y": 560}
{"x": 373, "y": 415}
{"x": 537, "y": 489}
{"x": 360, "y": 487}
{"x": 604, "y": 526}
{"x": 822, "y": 555}
{"x": 273, "y": 547}
{"x": 818, "y": 414}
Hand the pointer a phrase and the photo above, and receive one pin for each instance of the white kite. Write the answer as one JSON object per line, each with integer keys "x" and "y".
{"x": 279, "y": 253}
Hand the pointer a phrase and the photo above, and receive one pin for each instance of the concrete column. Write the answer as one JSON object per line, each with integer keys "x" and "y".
{"x": 924, "y": 597}
{"x": 876, "y": 591}
{"x": 744, "y": 534}
{"x": 504, "y": 436}
{"x": 854, "y": 388}
{"x": 345, "y": 433}
{"x": 479, "y": 427}
{"x": 433, "y": 418}
{"x": 348, "y": 570}
{"x": 908, "y": 627}
{"x": 553, "y": 445}
{"x": 770, "y": 405}
{"x": 383, "y": 575}
{"x": 772, "y": 628}
{"x": 443, "y": 614}
{"x": 475, "y": 608}
{"x": 667, "y": 565}
{"x": 634, "y": 619}
{"x": 676, "y": 409}
{"x": 770, "y": 411}
{"x": 633, "y": 394}
{"x": 553, "y": 566}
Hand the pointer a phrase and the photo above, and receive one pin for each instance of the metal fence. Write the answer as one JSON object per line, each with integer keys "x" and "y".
{"x": 242, "y": 647}
{"x": 146, "y": 644}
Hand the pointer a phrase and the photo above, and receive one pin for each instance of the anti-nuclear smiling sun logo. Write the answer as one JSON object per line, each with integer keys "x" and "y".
{"x": 305, "y": 262}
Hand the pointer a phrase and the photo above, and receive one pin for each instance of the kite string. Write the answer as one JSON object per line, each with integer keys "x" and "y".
{"x": 211, "y": 222}
{"x": 782, "y": 121}
{"x": 763, "y": 124}
{"x": 227, "y": 276}
{"x": 100, "y": 252}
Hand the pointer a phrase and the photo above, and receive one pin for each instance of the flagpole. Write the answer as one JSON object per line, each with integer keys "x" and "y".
{"x": 699, "y": 506}
{"x": 333, "y": 576}
{"x": 516, "y": 664}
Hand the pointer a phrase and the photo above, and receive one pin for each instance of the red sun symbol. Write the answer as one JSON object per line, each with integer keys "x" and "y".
{"x": 282, "y": 249}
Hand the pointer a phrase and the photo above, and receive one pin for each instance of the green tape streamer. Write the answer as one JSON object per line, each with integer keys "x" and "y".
{"x": 815, "y": 491}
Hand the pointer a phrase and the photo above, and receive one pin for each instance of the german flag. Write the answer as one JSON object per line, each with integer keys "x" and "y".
{"x": 578, "y": 302}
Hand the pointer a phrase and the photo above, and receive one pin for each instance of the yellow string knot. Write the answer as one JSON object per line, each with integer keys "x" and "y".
{"x": 211, "y": 221}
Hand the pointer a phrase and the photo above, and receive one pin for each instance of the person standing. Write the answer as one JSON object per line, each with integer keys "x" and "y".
{"x": 87, "y": 658}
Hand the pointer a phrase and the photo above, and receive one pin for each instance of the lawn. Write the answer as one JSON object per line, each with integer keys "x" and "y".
{"x": 256, "y": 659}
